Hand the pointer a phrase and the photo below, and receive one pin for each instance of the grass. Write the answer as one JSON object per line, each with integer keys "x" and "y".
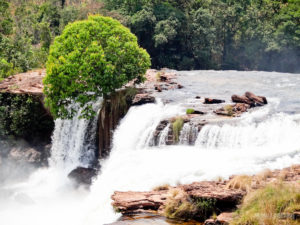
{"x": 266, "y": 206}
{"x": 229, "y": 110}
{"x": 241, "y": 182}
{"x": 180, "y": 206}
{"x": 177, "y": 126}
{"x": 190, "y": 111}
{"x": 162, "y": 187}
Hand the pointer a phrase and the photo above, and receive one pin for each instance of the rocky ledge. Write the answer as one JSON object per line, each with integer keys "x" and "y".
{"x": 24, "y": 83}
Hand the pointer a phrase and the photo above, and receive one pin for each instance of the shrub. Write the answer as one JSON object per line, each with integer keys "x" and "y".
{"x": 190, "y": 111}
{"x": 267, "y": 205}
{"x": 177, "y": 126}
{"x": 180, "y": 205}
{"x": 91, "y": 58}
{"x": 229, "y": 110}
{"x": 6, "y": 69}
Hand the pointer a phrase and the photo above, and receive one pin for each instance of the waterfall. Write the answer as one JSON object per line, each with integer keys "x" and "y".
{"x": 74, "y": 141}
{"x": 266, "y": 138}
{"x": 188, "y": 134}
{"x": 163, "y": 136}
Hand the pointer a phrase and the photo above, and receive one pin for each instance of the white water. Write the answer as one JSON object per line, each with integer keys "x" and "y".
{"x": 264, "y": 138}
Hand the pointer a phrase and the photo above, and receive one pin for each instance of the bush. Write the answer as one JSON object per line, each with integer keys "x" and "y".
{"x": 6, "y": 69}
{"x": 181, "y": 206}
{"x": 24, "y": 116}
{"x": 91, "y": 58}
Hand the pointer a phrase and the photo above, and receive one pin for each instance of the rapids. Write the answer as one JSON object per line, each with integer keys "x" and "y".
{"x": 267, "y": 137}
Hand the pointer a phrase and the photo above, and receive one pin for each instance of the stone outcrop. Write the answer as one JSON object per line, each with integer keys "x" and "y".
{"x": 243, "y": 104}
{"x": 24, "y": 83}
{"x": 82, "y": 176}
{"x": 134, "y": 202}
{"x": 225, "y": 195}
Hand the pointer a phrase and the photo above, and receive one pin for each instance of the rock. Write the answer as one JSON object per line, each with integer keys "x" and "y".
{"x": 250, "y": 99}
{"x": 28, "y": 155}
{"x": 241, "y": 99}
{"x": 158, "y": 88}
{"x": 233, "y": 110}
{"x": 210, "y": 222}
{"x": 214, "y": 190}
{"x": 197, "y": 97}
{"x": 134, "y": 202}
{"x": 179, "y": 86}
{"x": 127, "y": 202}
{"x": 213, "y": 101}
{"x": 198, "y": 112}
{"x": 225, "y": 218}
{"x": 259, "y": 101}
{"x": 141, "y": 99}
{"x": 82, "y": 175}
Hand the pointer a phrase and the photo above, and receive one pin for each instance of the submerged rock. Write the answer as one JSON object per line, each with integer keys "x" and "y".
{"x": 83, "y": 176}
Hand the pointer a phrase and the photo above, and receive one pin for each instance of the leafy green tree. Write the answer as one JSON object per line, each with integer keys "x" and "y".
{"x": 91, "y": 58}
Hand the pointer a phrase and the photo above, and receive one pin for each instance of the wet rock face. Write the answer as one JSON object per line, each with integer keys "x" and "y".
{"x": 82, "y": 176}
{"x": 141, "y": 99}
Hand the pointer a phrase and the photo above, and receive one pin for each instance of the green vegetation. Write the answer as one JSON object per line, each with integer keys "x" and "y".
{"x": 23, "y": 116}
{"x": 192, "y": 34}
{"x": 190, "y": 111}
{"x": 220, "y": 34}
{"x": 180, "y": 206}
{"x": 229, "y": 110}
{"x": 177, "y": 126}
{"x": 91, "y": 58}
{"x": 268, "y": 205}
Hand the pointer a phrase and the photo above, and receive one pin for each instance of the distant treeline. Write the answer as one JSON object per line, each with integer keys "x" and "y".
{"x": 178, "y": 34}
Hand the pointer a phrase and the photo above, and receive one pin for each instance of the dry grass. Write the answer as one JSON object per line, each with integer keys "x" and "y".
{"x": 264, "y": 175}
{"x": 266, "y": 206}
{"x": 241, "y": 182}
{"x": 163, "y": 187}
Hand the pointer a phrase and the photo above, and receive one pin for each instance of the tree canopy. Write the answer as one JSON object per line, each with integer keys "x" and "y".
{"x": 91, "y": 58}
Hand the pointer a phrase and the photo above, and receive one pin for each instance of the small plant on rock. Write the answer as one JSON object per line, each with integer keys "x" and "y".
{"x": 190, "y": 111}
{"x": 177, "y": 127}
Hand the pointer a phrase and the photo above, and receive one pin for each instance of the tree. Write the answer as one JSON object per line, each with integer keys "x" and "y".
{"x": 91, "y": 58}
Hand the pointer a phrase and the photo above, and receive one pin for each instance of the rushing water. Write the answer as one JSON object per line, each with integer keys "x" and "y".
{"x": 266, "y": 137}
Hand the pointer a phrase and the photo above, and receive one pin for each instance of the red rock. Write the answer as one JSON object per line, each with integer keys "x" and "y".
{"x": 241, "y": 99}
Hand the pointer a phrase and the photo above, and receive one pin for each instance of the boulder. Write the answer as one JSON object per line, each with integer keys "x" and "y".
{"x": 141, "y": 99}
{"x": 259, "y": 101}
{"x": 213, "y": 101}
{"x": 82, "y": 176}
{"x": 250, "y": 99}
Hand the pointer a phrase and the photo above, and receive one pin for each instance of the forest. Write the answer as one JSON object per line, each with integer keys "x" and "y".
{"x": 182, "y": 35}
